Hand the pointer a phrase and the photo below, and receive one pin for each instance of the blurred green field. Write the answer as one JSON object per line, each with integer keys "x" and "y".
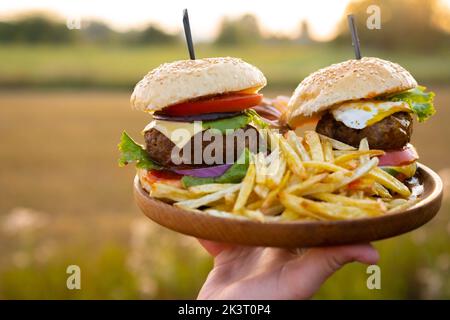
{"x": 64, "y": 201}
{"x": 121, "y": 67}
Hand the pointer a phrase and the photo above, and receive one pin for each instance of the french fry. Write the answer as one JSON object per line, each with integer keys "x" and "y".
{"x": 280, "y": 102}
{"x": 350, "y": 165}
{"x": 223, "y": 214}
{"x": 209, "y": 188}
{"x": 395, "y": 202}
{"x": 374, "y": 206}
{"x": 246, "y": 188}
{"x": 333, "y": 211}
{"x": 296, "y": 143}
{"x": 274, "y": 193}
{"x": 274, "y": 139}
{"x": 327, "y": 151}
{"x": 328, "y": 211}
{"x": 323, "y": 166}
{"x": 196, "y": 203}
{"x": 357, "y": 154}
{"x": 253, "y": 214}
{"x": 166, "y": 191}
{"x": 338, "y": 153}
{"x": 261, "y": 169}
{"x": 389, "y": 182}
{"x": 293, "y": 181}
{"x": 275, "y": 172}
{"x": 360, "y": 171}
{"x": 409, "y": 203}
{"x": 272, "y": 218}
{"x": 319, "y": 188}
{"x": 272, "y": 156}
{"x": 289, "y": 215}
{"x": 381, "y": 191}
{"x": 315, "y": 147}
{"x": 362, "y": 184}
{"x": 336, "y": 176}
{"x": 349, "y": 177}
{"x": 292, "y": 203}
{"x": 305, "y": 185}
{"x": 292, "y": 159}
{"x": 261, "y": 190}
{"x": 337, "y": 144}
{"x": 364, "y": 146}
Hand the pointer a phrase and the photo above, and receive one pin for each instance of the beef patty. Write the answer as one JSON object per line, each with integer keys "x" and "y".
{"x": 393, "y": 132}
{"x": 162, "y": 150}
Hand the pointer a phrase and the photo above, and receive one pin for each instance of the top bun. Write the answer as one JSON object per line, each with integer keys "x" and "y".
{"x": 183, "y": 80}
{"x": 348, "y": 80}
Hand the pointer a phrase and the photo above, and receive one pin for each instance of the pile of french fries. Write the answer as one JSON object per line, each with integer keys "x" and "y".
{"x": 303, "y": 178}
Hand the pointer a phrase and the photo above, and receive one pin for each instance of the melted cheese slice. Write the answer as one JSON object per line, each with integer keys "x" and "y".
{"x": 178, "y": 132}
{"x": 361, "y": 114}
{"x": 302, "y": 120}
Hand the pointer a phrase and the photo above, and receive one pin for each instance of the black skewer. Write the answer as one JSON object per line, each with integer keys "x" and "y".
{"x": 355, "y": 39}
{"x": 187, "y": 33}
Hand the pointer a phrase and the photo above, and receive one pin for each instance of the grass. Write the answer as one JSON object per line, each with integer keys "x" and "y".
{"x": 121, "y": 67}
{"x": 58, "y": 158}
{"x": 104, "y": 276}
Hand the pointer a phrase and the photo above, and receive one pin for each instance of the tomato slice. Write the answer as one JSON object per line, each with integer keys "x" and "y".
{"x": 222, "y": 103}
{"x": 399, "y": 157}
{"x": 164, "y": 176}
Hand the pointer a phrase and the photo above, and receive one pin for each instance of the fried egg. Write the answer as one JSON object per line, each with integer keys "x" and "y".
{"x": 361, "y": 114}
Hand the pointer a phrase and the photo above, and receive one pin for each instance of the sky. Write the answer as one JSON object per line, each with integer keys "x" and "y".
{"x": 284, "y": 17}
{"x": 277, "y": 16}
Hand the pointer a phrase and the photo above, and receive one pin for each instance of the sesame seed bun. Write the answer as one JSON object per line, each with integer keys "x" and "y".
{"x": 348, "y": 80}
{"x": 178, "y": 81}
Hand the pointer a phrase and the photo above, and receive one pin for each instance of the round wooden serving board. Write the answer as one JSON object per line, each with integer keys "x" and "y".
{"x": 296, "y": 233}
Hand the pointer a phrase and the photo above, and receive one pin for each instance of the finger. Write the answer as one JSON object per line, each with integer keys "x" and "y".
{"x": 304, "y": 276}
{"x": 214, "y": 248}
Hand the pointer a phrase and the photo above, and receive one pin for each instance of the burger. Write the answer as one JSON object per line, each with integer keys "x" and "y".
{"x": 367, "y": 98}
{"x": 202, "y": 127}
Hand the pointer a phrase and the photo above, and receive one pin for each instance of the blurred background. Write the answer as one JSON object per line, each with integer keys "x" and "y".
{"x": 67, "y": 69}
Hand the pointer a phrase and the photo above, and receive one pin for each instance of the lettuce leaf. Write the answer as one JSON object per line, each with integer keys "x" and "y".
{"x": 234, "y": 123}
{"x": 234, "y": 174}
{"x": 237, "y": 122}
{"x": 420, "y": 102}
{"x": 133, "y": 152}
{"x": 256, "y": 119}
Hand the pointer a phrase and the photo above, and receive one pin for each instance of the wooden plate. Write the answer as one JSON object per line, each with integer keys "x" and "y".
{"x": 296, "y": 233}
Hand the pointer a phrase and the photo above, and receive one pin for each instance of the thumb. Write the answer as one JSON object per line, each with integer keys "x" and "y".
{"x": 304, "y": 276}
{"x": 214, "y": 248}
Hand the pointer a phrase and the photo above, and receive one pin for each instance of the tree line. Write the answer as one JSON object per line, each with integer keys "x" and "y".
{"x": 42, "y": 29}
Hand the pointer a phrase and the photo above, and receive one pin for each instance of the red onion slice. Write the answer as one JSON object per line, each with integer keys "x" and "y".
{"x": 267, "y": 111}
{"x": 198, "y": 117}
{"x": 206, "y": 172}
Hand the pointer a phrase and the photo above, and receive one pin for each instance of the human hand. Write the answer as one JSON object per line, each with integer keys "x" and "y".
{"x": 270, "y": 273}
